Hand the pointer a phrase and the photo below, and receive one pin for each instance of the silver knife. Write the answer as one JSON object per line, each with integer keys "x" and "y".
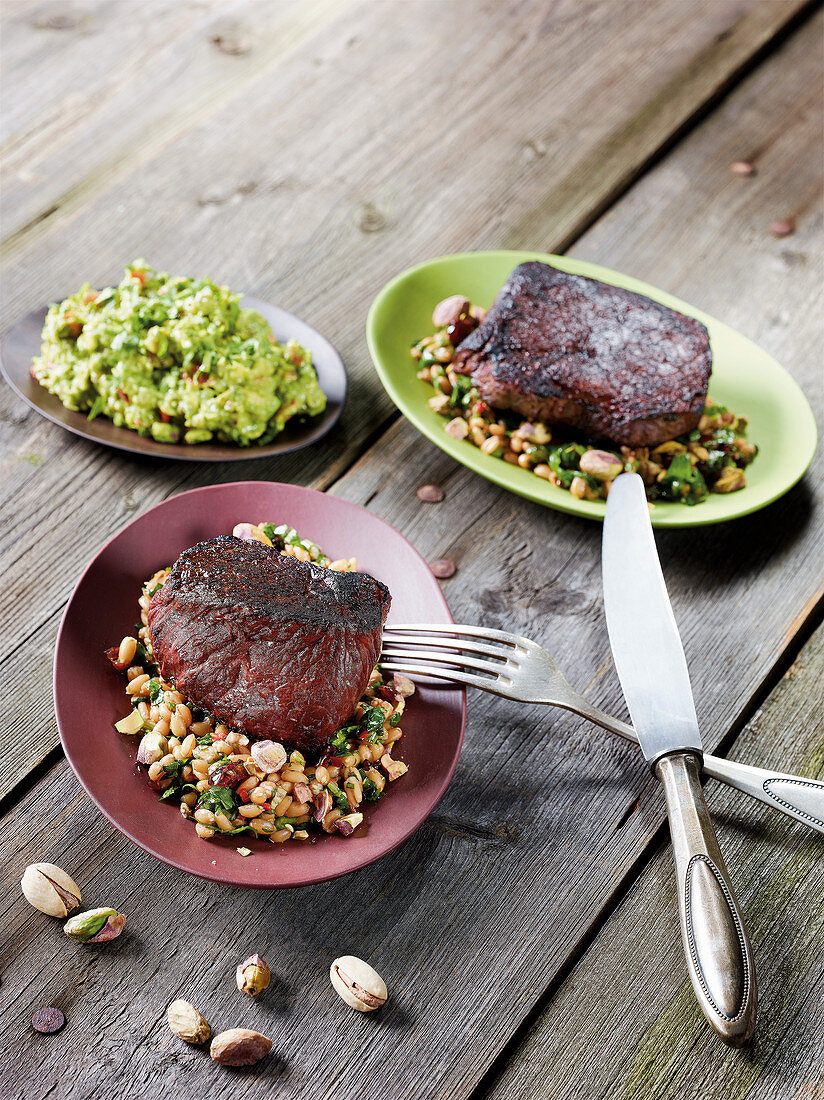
{"x": 653, "y": 672}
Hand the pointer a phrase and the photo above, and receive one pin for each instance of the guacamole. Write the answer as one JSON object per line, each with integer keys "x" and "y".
{"x": 175, "y": 359}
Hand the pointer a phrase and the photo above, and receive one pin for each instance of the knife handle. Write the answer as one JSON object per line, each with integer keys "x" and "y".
{"x": 793, "y": 795}
{"x": 719, "y": 957}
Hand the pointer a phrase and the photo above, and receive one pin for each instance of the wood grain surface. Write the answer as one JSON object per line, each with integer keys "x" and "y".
{"x": 537, "y": 871}
{"x": 627, "y": 1011}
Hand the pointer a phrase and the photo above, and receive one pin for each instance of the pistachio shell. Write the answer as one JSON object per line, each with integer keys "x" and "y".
{"x": 357, "y": 983}
{"x": 48, "y": 888}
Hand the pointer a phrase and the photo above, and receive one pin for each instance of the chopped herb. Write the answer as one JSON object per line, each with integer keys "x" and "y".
{"x": 372, "y": 725}
{"x": 155, "y": 690}
{"x": 371, "y": 791}
{"x": 342, "y": 736}
{"x": 276, "y": 540}
{"x": 683, "y": 481}
{"x": 338, "y": 797}
{"x": 220, "y": 800}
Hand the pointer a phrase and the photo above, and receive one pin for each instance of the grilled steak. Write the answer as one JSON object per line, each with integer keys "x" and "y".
{"x": 276, "y": 647}
{"x": 570, "y": 350}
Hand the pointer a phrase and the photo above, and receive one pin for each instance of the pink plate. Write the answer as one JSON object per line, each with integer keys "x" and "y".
{"x": 89, "y": 695}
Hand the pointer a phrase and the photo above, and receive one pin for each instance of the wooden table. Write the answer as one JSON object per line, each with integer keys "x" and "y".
{"x": 306, "y": 152}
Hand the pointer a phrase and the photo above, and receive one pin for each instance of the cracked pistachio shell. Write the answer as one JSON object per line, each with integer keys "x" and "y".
{"x": 187, "y": 1023}
{"x": 358, "y": 983}
{"x": 49, "y": 889}
{"x": 95, "y": 925}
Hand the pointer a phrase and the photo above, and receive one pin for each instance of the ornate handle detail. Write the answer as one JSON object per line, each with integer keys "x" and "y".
{"x": 793, "y": 795}
{"x": 719, "y": 957}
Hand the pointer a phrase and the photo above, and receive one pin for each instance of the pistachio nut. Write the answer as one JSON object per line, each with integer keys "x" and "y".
{"x": 357, "y": 983}
{"x": 347, "y": 825}
{"x": 403, "y": 685}
{"x": 730, "y": 480}
{"x": 450, "y": 310}
{"x": 253, "y": 975}
{"x": 269, "y": 756}
{"x": 601, "y": 464}
{"x": 49, "y": 889}
{"x": 95, "y": 925}
{"x": 187, "y": 1023}
{"x": 153, "y": 747}
{"x": 239, "y": 1047}
{"x": 323, "y": 804}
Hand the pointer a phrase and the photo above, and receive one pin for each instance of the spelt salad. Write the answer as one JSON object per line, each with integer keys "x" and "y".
{"x": 228, "y": 785}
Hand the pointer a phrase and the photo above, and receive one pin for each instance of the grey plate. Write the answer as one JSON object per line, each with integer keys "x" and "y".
{"x": 19, "y": 346}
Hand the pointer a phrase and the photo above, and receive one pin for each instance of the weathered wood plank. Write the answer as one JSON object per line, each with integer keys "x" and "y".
{"x": 627, "y": 1011}
{"x": 677, "y": 65}
{"x": 538, "y": 798}
{"x": 92, "y": 91}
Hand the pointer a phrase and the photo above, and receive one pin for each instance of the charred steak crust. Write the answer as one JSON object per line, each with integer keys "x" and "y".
{"x": 276, "y": 647}
{"x": 571, "y": 350}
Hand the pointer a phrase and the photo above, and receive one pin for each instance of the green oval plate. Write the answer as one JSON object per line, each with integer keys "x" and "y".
{"x": 745, "y": 378}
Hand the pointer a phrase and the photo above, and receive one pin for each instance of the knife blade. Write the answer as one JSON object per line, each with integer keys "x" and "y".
{"x": 654, "y": 677}
{"x": 643, "y": 635}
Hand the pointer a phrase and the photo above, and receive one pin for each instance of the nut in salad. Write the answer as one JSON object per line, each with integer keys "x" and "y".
{"x": 357, "y": 983}
{"x": 153, "y": 747}
{"x": 49, "y": 889}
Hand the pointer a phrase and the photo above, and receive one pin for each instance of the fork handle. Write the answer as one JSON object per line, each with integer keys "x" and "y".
{"x": 793, "y": 795}
{"x": 719, "y": 957}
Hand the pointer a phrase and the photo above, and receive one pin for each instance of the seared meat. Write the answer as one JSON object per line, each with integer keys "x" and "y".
{"x": 276, "y": 647}
{"x": 570, "y": 350}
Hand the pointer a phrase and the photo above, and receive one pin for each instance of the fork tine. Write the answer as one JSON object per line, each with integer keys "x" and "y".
{"x": 442, "y": 674}
{"x": 486, "y": 633}
{"x": 450, "y": 659}
{"x": 503, "y": 653}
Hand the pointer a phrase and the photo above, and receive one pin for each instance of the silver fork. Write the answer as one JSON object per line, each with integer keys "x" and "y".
{"x": 516, "y": 668}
